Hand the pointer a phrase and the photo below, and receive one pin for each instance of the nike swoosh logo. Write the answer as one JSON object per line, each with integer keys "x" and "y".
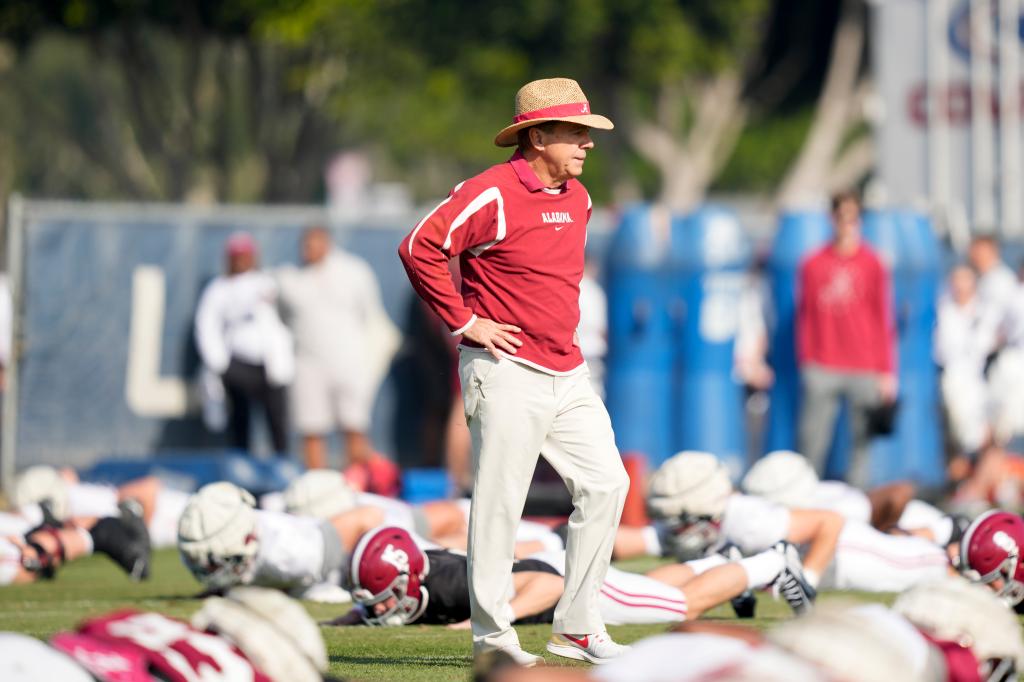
{"x": 559, "y": 228}
{"x": 580, "y": 641}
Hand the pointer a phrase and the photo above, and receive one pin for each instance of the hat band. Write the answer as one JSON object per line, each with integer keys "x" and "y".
{"x": 573, "y": 109}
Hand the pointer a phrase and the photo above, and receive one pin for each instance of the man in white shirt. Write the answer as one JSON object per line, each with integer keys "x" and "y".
{"x": 241, "y": 339}
{"x": 996, "y": 281}
{"x": 333, "y": 306}
{"x": 963, "y": 338}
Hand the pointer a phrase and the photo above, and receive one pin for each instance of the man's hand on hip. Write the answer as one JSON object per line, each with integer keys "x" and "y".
{"x": 494, "y": 336}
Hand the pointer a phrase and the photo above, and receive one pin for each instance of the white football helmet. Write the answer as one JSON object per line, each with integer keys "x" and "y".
{"x": 42, "y": 485}
{"x": 217, "y": 535}
{"x": 954, "y": 610}
{"x": 783, "y": 477}
{"x": 272, "y": 630}
{"x": 24, "y": 659}
{"x": 320, "y": 493}
{"x": 848, "y": 645}
{"x": 690, "y": 483}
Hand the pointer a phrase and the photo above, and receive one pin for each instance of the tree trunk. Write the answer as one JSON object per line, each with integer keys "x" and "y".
{"x": 810, "y": 178}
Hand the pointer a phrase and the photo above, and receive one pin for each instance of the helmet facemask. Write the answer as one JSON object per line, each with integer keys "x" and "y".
{"x": 690, "y": 537}
{"x": 406, "y": 608}
{"x": 220, "y": 572}
{"x": 998, "y": 670}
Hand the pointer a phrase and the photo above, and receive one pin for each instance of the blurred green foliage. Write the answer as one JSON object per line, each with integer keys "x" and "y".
{"x": 247, "y": 100}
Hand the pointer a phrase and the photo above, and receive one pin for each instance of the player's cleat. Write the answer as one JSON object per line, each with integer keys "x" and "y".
{"x": 595, "y": 647}
{"x": 124, "y": 539}
{"x": 745, "y": 604}
{"x": 791, "y": 584}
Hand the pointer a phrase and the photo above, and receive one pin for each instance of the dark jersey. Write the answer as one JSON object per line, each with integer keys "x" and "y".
{"x": 448, "y": 587}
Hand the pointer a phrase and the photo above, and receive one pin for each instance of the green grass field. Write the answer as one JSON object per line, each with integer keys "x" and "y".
{"x": 94, "y": 586}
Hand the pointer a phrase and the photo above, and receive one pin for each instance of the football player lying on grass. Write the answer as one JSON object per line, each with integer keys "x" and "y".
{"x": 57, "y": 496}
{"x": 692, "y": 495}
{"x": 946, "y": 630}
{"x": 252, "y": 634}
{"x": 323, "y": 494}
{"x": 990, "y": 553}
{"x": 396, "y": 582}
{"x": 787, "y": 479}
{"x": 40, "y": 552}
{"x": 225, "y": 541}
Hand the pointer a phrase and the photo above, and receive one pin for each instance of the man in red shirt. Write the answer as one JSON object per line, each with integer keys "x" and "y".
{"x": 845, "y": 339}
{"x": 519, "y": 231}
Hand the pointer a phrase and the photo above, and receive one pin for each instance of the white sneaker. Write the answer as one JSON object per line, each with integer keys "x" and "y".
{"x": 595, "y": 647}
{"x": 521, "y": 657}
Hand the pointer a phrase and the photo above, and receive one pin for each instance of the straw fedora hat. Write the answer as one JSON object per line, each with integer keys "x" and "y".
{"x": 550, "y": 99}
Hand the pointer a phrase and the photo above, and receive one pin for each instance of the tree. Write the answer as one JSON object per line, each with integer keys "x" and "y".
{"x": 164, "y": 100}
{"x": 824, "y": 165}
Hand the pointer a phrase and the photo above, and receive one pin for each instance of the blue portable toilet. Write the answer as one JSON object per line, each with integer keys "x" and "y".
{"x": 907, "y": 243}
{"x": 640, "y": 335}
{"x": 709, "y": 260}
{"x": 799, "y": 234}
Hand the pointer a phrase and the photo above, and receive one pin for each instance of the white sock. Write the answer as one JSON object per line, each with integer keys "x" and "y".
{"x": 652, "y": 545}
{"x": 762, "y": 569}
{"x": 812, "y": 578}
{"x": 86, "y": 538}
{"x": 699, "y": 566}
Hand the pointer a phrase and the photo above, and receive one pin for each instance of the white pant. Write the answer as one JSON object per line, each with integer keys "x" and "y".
{"x": 869, "y": 560}
{"x": 514, "y": 413}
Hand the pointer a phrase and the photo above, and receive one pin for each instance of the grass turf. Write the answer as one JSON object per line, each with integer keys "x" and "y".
{"x": 93, "y": 586}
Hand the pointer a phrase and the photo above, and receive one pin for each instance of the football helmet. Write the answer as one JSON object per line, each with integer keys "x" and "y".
{"x": 42, "y": 485}
{"x": 783, "y": 477}
{"x": 990, "y": 550}
{"x": 689, "y": 537}
{"x": 846, "y": 643}
{"x": 690, "y": 483}
{"x": 320, "y": 493}
{"x": 217, "y": 535}
{"x": 951, "y": 609}
{"x": 388, "y": 568}
{"x": 271, "y": 629}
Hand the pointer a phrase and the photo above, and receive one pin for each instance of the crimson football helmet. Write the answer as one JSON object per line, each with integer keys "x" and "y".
{"x": 388, "y": 568}
{"x": 991, "y": 550}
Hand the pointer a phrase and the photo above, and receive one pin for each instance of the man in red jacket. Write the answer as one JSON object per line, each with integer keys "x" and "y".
{"x": 845, "y": 339}
{"x": 519, "y": 231}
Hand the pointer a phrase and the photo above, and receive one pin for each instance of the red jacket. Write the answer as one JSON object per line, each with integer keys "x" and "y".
{"x": 521, "y": 252}
{"x": 844, "y": 312}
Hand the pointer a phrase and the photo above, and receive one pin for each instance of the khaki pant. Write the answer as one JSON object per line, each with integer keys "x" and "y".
{"x": 514, "y": 413}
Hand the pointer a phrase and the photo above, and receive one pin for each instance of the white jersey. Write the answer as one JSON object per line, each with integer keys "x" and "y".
{"x": 995, "y": 292}
{"x": 754, "y": 524}
{"x": 291, "y": 551}
{"x": 963, "y": 336}
{"x": 237, "y": 317}
{"x": 396, "y": 512}
{"x": 684, "y": 657}
{"x": 869, "y": 560}
{"x": 846, "y": 500}
{"x": 865, "y": 559}
{"x": 329, "y": 307}
{"x": 10, "y": 561}
{"x": 19, "y": 524}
